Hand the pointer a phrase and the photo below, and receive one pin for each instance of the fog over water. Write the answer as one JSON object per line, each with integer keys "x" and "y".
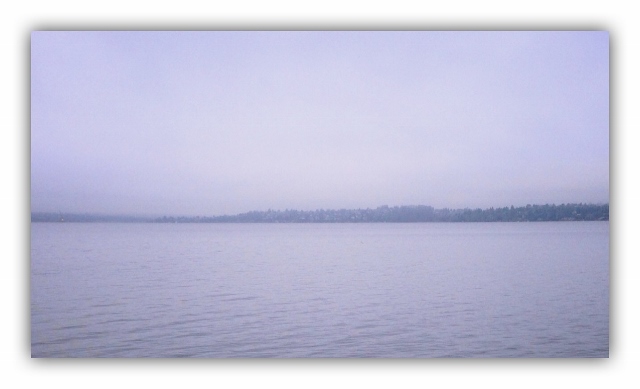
{"x": 202, "y": 123}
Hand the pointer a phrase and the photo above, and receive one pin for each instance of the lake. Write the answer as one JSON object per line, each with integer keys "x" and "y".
{"x": 387, "y": 290}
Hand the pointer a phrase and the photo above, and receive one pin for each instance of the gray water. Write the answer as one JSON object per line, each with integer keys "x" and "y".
{"x": 419, "y": 290}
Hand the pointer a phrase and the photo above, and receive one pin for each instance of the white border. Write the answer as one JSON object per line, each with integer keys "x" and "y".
{"x": 19, "y": 18}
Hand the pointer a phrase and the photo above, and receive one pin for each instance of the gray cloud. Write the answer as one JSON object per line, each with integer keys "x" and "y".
{"x": 203, "y": 123}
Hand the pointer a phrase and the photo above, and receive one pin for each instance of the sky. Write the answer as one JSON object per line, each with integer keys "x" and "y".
{"x": 222, "y": 122}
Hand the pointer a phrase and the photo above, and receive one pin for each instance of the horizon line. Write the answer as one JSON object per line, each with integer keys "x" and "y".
{"x": 133, "y": 215}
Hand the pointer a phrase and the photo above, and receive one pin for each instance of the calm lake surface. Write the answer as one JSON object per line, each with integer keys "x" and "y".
{"x": 420, "y": 290}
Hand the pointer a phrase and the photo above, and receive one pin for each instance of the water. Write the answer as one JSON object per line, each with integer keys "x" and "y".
{"x": 420, "y": 290}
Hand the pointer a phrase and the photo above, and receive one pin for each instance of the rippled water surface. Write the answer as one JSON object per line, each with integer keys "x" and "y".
{"x": 320, "y": 290}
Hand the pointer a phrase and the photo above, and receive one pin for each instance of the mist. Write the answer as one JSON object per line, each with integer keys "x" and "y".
{"x": 210, "y": 123}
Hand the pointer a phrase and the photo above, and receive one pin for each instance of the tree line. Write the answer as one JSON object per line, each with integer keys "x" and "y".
{"x": 411, "y": 214}
{"x": 382, "y": 214}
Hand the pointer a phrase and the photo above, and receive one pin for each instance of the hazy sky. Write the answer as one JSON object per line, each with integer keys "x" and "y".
{"x": 207, "y": 123}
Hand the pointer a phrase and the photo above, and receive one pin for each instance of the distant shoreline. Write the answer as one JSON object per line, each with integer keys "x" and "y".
{"x": 382, "y": 214}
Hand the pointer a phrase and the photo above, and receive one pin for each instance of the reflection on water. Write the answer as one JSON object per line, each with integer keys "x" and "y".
{"x": 320, "y": 290}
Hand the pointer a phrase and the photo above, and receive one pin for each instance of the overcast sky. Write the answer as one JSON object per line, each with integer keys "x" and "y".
{"x": 208, "y": 123}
